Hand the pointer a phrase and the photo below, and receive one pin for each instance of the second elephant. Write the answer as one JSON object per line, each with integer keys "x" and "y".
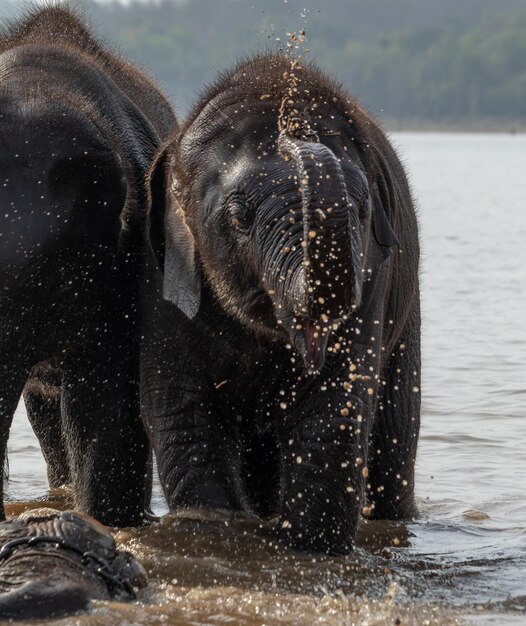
{"x": 79, "y": 130}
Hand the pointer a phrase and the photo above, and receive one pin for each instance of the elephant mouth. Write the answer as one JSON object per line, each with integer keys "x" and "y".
{"x": 308, "y": 336}
{"x": 310, "y": 339}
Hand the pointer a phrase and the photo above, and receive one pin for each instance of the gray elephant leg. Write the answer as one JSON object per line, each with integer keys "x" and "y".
{"x": 323, "y": 484}
{"x": 395, "y": 432}
{"x": 42, "y": 395}
{"x": 187, "y": 441}
{"x": 106, "y": 441}
{"x": 13, "y": 376}
{"x": 177, "y": 410}
{"x": 189, "y": 467}
{"x": 325, "y": 460}
{"x": 326, "y": 452}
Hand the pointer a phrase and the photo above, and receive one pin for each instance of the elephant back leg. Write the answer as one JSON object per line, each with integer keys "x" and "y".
{"x": 106, "y": 442}
{"x": 42, "y": 395}
{"x": 393, "y": 442}
{"x": 13, "y": 375}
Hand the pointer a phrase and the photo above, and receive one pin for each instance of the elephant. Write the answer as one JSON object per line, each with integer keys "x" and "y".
{"x": 52, "y": 564}
{"x": 282, "y": 367}
{"x": 80, "y": 130}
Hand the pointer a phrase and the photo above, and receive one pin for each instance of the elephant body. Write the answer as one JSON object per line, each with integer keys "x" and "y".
{"x": 282, "y": 372}
{"x": 80, "y": 128}
{"x": 54, "y": 564}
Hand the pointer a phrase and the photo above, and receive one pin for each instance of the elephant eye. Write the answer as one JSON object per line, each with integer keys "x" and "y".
{"x": 241, "y": 216}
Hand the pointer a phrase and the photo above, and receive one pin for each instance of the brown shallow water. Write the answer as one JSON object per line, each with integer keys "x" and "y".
{"x": 464, "y": 560}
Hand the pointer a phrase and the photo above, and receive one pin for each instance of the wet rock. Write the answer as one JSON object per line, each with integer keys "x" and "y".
{"x": 55, "y": 563}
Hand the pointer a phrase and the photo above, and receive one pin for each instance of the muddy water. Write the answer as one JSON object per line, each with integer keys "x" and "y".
{"x": 464, "y": 560}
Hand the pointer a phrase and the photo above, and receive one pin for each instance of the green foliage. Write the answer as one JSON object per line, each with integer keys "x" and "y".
{"x": 405, "y": 59}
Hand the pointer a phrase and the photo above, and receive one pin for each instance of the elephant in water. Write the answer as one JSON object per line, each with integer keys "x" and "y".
{"x": 54, "y": 564}
{"x": 79, "y": 131}
{"x": 282, "y": 374}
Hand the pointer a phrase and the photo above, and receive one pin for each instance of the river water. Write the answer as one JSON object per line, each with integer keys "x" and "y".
{"x": 464, "y": 560}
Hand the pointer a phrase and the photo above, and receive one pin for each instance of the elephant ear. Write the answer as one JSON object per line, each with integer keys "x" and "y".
{"x": 382, "y": 238}
{"x": 172, "y": 241}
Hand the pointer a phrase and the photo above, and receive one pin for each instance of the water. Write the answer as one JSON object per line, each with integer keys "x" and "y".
{"x": 465, "y": 559}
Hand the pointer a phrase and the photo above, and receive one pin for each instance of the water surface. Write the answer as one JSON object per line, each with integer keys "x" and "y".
{"x": 464, "y": 560}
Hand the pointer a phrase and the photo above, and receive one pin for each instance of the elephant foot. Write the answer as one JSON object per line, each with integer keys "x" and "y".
{"x": 321, "y": 520}
{"x": 53, "y": 565}
{"x": 324, "y": 540}
{"x": 394, "y": 509}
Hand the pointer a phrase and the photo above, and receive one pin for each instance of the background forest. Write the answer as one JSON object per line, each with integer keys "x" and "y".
{"x": 415, "y": 63}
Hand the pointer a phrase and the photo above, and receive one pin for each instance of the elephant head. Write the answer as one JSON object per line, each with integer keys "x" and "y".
{"x": 271, "y": 200}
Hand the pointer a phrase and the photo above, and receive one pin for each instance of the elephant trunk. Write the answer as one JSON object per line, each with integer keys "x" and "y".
{"x": 331, "y": 236}
{"x": 332, "y": 274}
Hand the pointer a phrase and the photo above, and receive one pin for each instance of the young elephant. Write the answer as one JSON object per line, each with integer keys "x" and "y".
{"x": 291, "y": 248}
{"x": 79, "y": 130}
{"x": 54, "y": 565}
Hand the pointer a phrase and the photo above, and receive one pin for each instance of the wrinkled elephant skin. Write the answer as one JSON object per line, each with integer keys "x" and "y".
{"x": 285, "y": 377}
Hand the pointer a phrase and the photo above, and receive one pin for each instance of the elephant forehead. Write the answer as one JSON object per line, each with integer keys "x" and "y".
{"x": 234, "y": 135}
{"x": 232, "y": 124}
{"x": 230, "y": 166}
{"x": 237, "y": 117}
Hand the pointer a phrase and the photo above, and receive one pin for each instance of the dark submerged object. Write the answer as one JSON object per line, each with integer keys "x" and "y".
{"x": 79, "y": 130}
{"x": 285, "y": 226}
{"x": 54, "y": 565}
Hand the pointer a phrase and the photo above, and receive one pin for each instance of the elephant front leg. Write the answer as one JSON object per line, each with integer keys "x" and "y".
{"x": 107, "y": 445}
{"x": 188, "y": 444}
{"x": 323, "y": 486}
{"x": 177, "y": 408}
{"x": 325, "y": 466}
{"x": 325, "y": 452}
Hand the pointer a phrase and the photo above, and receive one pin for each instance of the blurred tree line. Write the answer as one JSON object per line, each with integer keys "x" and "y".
{"x": 408, "y": 60}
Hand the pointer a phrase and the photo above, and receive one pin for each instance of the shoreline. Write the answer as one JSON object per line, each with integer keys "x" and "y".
{"x": 509, "y": 127}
